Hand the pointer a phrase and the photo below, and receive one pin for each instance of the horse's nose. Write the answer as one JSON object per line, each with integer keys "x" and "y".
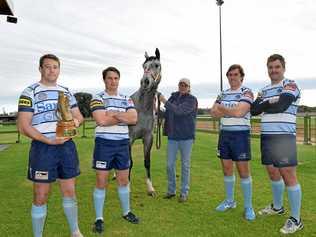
{"x": 146, "y": 82}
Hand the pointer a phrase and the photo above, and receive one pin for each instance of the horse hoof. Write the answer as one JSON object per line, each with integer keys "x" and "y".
{"x": 152, "y": 193}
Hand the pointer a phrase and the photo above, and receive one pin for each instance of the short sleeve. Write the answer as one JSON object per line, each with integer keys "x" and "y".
{"x": 247, "y": 96}
{"x": 290, "y": 87}
{"x": 130, "y": 103}
{"x": 26, "y": 101}
{"x": 96, "y": 103}
{"x": 219, "y": 98}
{"x": 72, "y": 100}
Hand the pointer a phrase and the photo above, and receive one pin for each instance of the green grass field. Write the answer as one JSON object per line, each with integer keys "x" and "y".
{"x": 159, "y": 217}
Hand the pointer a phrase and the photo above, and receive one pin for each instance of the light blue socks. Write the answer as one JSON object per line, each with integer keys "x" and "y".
{"x": 98, "y": 200}
{"x": 295, "y": 198}
{"x": 71, "y": 212}
{"x": 38, "y": 214}
{"x": 123, "y": 193}
{"x": 277, "y": 192}
{"x": 229, "y": 182}
{"x": 246, "y": 186}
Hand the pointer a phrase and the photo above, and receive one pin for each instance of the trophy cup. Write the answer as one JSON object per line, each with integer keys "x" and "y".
{"x": 66, "y": 127}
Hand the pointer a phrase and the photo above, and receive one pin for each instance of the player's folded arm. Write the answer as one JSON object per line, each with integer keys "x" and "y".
{"x": 129, "y": 117}
{"x": 285, "y": 100}
{"x": 258, "y": 107}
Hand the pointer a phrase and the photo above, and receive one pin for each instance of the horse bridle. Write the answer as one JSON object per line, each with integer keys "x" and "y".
{"x": 159, "y": 122}
{"x": 159, "y": 117}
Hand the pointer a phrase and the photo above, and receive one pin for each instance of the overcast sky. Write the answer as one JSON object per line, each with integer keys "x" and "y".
{"x": 91, "y": 35}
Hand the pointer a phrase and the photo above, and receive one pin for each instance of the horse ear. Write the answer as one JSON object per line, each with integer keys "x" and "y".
{"x": 146, "y": 55}
{"x": 157, "y": 53}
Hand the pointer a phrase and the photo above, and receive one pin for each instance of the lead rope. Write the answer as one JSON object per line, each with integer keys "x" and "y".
{"x": 159, "y": 122}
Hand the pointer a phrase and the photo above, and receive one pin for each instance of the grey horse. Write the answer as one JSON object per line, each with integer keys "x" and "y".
{"x": 143, "y": 99}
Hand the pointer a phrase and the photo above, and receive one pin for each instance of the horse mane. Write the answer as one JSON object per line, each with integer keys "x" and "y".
{"x": 151, "y": 58}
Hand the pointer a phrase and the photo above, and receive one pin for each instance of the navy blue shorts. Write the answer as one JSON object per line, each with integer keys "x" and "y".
{"x": 234, "y": 145}
{"x": 278, "y": 150}
{"x": 111, "y": 154}
{"x": 50, "y": 162}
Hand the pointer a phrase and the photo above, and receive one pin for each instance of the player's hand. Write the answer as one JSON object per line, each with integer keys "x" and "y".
{"x": 77, "y": 123}
{"x": 274, "y": 100}
{"x": 162, "y": 98}
{"x": 259, "y": 95}
{"x": 215, "y": 112}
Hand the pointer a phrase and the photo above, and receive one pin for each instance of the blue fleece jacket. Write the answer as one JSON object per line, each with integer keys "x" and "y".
{"x": 180, "y": 116}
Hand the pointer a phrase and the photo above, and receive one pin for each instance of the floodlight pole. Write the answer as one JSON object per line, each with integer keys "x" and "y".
{"x": 219, "y": 4}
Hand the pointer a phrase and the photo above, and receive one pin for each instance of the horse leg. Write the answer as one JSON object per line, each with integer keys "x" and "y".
{"x": 148, "y": 141}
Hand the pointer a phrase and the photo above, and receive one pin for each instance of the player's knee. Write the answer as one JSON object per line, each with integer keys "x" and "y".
{"x": 40, "y": 199}
{"x": 69, "y": 193}
{"x": 123, "y": 181}
{"x": 101, "y": 184}
{"x": 274, "y": 176}
{"x": 244, "y": 175}
{"x": 228, "y": 171}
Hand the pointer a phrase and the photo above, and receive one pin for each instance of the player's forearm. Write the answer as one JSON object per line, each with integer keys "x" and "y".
{"x": 126, "y": 117}
{"x": 258, "y": 107}
{"x": 214, "y": 112}
{"x": 77, "y": 116}
{"x": 103, "y": 118}
{"x": 280, "y": 105}
{"x": 32, "y": 133}
{"x": 79, "y": 119}
{"x": 233, "y": 112}
{"x": 106, "y": 121}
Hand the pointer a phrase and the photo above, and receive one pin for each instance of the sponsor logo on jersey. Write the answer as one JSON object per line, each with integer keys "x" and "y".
{"x": 290, "y": 86}
{"x": 248, "y": 94}
{"x": 25, "y": 102}
{"x": 50, "y": 116}
{"x": 46, "y": 106}
{"x": 230, "y": 104}
{"x": 42, "y": 96}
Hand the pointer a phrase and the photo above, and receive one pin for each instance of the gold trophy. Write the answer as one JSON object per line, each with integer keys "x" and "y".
{"x": 66, "y": 127}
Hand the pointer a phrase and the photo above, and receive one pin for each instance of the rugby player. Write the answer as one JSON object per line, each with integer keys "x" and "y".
{"x": 277, "y": 103}
{"x": 49, "y": 158}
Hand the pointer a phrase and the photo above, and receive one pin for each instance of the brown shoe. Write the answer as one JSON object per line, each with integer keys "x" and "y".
{"x": 169, "y": 195}
{"x": 183, "y": 198}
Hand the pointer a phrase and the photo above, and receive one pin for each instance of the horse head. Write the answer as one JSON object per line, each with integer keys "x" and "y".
{"x": 152, "y": 72}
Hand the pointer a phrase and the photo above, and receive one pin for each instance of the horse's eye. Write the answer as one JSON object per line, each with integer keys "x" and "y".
{"x": 156, "y": 65}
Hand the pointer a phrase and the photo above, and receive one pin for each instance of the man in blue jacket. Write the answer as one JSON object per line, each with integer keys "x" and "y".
{"x": 180, "y": 117}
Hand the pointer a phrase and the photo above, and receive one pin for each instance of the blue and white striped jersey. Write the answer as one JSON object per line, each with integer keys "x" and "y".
{"x": 280, "y": 123}
{"x": 231, "y": 98}
{"x": 118, "y": 103}
{"x": 42, "y": 101}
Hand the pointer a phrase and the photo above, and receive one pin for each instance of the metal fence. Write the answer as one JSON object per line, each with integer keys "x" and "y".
{"x": 306, "y": 129}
